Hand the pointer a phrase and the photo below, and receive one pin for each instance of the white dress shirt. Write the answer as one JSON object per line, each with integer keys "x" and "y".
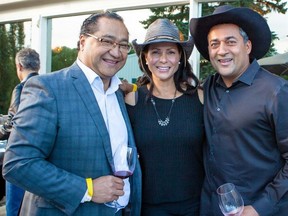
{"x": 112, "y": 115}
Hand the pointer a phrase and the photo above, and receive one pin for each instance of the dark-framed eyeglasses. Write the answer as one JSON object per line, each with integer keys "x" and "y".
{"x": 110, "y": 44}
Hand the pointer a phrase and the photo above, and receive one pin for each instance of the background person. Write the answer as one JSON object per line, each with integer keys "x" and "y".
{"x": 27, "y": 65}
{"x": 167, "y": 122}
{"x": 245, "y": 113}
{"x": 67, "y": 127}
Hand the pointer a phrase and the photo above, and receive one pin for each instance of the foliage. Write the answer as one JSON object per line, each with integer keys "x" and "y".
{"x": 263, "y": 7}
{"x": 12, "y": 40}
{"x": 4, "y": 56}
{"x": 63, "y": 57}
{"x": 180, "y": 16}
{"x": 206, "y": 69}
{"x": 272, "y": 51}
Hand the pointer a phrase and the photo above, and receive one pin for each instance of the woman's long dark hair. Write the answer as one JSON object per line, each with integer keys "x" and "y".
{"x": 184, "y": 78}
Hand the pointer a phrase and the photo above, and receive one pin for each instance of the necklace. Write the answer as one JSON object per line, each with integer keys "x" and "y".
{"x": 165, "y": 122}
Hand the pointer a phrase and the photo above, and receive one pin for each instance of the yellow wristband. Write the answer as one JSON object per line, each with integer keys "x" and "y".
{"x": 89, "y": 186}
{"x": 134, "y": 88}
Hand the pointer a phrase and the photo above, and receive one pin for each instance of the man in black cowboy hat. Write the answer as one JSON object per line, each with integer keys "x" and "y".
{"x": 245, "y": 113}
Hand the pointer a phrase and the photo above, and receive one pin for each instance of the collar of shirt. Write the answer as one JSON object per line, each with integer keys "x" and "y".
{"x": 95, "y": 79}
{"x": 247, "y": 77}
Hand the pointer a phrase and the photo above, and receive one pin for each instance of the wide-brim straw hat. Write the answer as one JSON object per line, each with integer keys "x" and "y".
{"x": 250, "y": 21}
{"x": 163, "y": 30}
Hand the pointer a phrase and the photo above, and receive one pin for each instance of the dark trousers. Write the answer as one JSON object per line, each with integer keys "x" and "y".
{"x": 183, "y": 208}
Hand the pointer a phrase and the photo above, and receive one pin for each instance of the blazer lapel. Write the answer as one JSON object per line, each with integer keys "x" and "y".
{"x": 122, "y": 105}
{"x": 85, "y": 92}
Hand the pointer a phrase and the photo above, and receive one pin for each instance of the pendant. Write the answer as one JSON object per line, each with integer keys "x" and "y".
{"x": 164, "y": 123}
{"x": 167, "y": 119}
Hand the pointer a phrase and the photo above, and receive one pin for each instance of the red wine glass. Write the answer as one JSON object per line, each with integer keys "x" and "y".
{"x": 124, "y": 158}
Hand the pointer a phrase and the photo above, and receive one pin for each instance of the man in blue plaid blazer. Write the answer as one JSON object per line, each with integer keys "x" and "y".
{"x": 67, "y": 127}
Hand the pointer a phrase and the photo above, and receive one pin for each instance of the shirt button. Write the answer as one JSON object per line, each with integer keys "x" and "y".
{"x": 218, "y": 109}
{"x": 227, "y": 91}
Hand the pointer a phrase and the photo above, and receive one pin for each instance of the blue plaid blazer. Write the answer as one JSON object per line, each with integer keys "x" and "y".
{"x": 59, "y": 139}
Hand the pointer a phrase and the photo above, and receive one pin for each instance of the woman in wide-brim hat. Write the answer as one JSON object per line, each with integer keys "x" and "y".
{"x": 160, "y": 31}
{"x": 167, "y": 121}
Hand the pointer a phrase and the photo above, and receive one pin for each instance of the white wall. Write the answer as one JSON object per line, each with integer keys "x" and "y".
{"x": 131, "y": 69}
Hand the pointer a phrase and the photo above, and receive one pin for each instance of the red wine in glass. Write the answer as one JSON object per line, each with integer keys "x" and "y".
{"x": 123, "y": 174}
{"x": 124, "y": 159}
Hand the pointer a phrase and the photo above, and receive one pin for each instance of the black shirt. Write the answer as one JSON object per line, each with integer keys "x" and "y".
{"x": 247, "y": 132}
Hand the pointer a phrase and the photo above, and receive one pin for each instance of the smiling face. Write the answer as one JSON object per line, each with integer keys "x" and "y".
{"x": 163, "y": 60}
{"x": 228, "y": 52}
{"x": 104, "y": 61}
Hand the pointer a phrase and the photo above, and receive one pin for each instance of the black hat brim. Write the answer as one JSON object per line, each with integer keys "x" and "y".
{"x": 250, "y": 21}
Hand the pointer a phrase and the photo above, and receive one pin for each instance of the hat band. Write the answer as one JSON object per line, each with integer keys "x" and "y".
{"x": 162, "y": 37}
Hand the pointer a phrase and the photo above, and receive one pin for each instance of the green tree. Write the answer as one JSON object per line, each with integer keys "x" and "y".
{"x": 12, "y": 40}
{"x": 4, "y": 69}
{"x": 16, "y": 42}
{"x": 63, "y": 57}
{"x": 180, "y": 16}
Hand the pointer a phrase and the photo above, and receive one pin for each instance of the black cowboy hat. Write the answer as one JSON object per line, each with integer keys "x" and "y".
{"x": 163, "y": 30}
{"x": 250, "y": 21}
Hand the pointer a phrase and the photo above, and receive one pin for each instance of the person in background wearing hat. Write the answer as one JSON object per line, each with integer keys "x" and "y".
{"x": 167, "y": 120}
{"x": 68, "y": 126}
{"x": 245, "y": 113}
